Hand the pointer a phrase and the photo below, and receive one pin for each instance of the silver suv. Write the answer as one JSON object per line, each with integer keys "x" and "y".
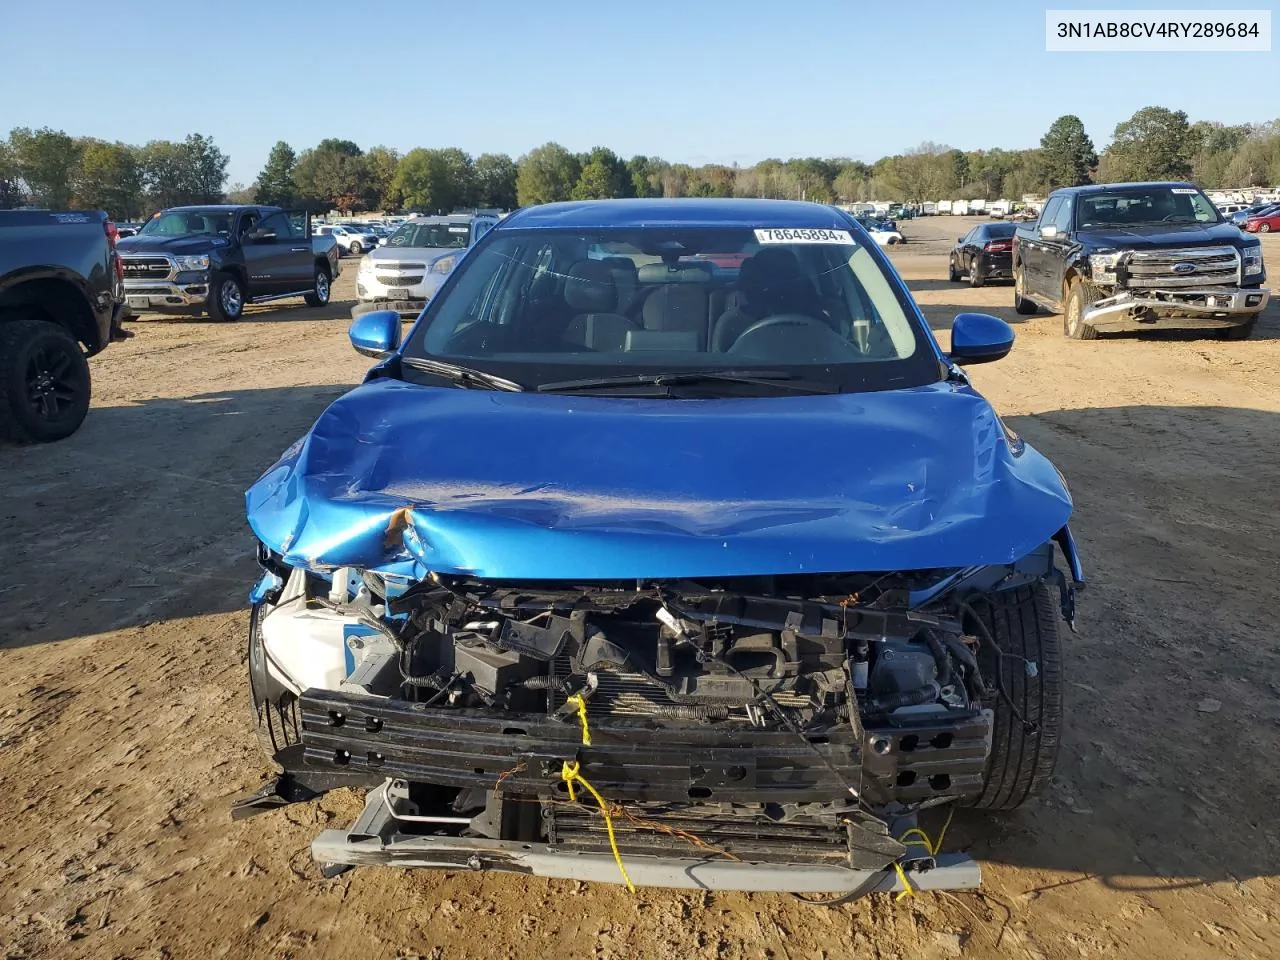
{"x": 404, "y": 273}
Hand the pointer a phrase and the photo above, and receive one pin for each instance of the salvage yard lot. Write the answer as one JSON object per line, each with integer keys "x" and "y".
{"x": 124, "y": 717}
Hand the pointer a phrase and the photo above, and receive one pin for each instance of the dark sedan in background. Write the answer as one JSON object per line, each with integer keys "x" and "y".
{"x": 984, "y": 253}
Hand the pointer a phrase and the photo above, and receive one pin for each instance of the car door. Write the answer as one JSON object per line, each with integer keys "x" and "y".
{"x": 962, "y": 250}
{"x": 1055, "y": 250}
{"x": 267, "y": 254}
{"x": 297, "y": 263}
{"x": 972, "y": 247}
{"x": 1033, "y": 256}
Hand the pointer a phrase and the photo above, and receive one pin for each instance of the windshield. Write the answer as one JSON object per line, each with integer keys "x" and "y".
{"x": 188, "y": 223}
{"x": 454, "y": 235}
{"x": 1145, "y": 206}
{"x": 544, "y": 306}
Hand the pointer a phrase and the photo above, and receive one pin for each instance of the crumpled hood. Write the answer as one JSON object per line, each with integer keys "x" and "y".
{"x": 1166, "y": 235}
{"x": 546, "y": 486}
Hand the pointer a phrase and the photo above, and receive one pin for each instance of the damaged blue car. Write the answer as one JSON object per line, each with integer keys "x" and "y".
{"x": 670, "y": 549}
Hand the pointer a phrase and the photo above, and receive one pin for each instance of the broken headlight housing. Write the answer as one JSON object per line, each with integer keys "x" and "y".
{"x": 1102, "y": 267}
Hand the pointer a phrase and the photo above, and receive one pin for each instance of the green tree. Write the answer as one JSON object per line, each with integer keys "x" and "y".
{"x": 275, "y": 182}
{"x": 646, "y": 175}
{"x": 1151, "y": 145}
{"x": 46, "y": 161}
{"x": 238, "y": 193}
{"x": 546, "y": 174}
{"x": 192, "y": 171}
{"x": 11, "y": 191}
{"x": 603, "y": 176}
{"x": 381, "y": 164}
{"x": 495, "y": 181}
{"x": 1068, "y": 153}
{"x": 108, "y": 178}
{"x": 435, "y": 181}
{"x": 331, "y": 175}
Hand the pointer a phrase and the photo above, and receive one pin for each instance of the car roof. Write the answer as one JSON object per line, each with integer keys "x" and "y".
{"x": 222, "y": 207}
{"x": 1103, "y": 187}
{"x": 681, "y": 212}
{"x": 443, "y": 218}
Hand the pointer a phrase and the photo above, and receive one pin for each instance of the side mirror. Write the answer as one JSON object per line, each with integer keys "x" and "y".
{"x": 375, "y": 334}
{"x": 959, "y": 239}
{"x": 1049, "y": 232}
{"x": 979, "y": 338}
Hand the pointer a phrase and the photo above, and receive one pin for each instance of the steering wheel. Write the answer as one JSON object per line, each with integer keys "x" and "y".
{"x": 780, "y": 320}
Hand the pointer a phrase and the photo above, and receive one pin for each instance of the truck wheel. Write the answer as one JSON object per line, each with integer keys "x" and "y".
{"x": 44, "y": 382}
{"x": 1024, "y": 624}
{"x": 226, "y": 298}
{"x": 975, "y": 275}
{"x": 319, "y": 295}
{"x": 1021, "y": 304}
{"x": 1082, "y": 295}
{"x": 952, "y": 274}
{"x": 275, "y": 708}
{"x": 1243, "y": 332}
{"x": 355, "y": 249}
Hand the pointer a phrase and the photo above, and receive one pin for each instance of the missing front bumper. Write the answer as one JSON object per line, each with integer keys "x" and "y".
{"x": 1208, "y": 307}
{"x": 376, "y": 840}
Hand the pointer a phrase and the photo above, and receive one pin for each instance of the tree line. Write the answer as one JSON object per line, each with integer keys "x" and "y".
{"x": 49, "y": 168}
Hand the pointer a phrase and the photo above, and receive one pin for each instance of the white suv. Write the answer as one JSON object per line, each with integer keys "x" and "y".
{"x": 352, "y": 240}
{"x": 405, "y": 272}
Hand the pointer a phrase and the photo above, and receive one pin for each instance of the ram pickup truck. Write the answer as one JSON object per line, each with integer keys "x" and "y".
{"x": 1137, "y": 256}
{"x": 217, "y": 259}
{"x": 59, "y": 304}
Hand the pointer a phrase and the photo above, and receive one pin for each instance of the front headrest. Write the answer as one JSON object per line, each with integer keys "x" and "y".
{"x": 679, "y": 273}
{"x": 769, "y": 273}
{"x": 589, "y": 287}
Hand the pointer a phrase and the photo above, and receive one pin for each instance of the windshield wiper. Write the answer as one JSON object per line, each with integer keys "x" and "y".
{"x": 467, "y": 377}
{"x": 760, "y": 378}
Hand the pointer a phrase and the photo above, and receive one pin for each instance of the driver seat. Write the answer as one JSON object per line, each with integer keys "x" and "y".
{"x": 771, "y": 282}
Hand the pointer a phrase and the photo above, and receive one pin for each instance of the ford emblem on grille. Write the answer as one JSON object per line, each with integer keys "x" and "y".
{"x": 1183, "y": 268}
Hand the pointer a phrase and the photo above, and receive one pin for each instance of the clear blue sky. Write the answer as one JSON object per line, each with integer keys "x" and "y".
{"x": 697, "y": 81}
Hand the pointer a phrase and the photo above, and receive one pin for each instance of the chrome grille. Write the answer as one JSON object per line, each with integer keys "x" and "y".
{"x": 1213, "y": 267}
{"x": 398, "y": 265}
{"x": 146, "y": 268}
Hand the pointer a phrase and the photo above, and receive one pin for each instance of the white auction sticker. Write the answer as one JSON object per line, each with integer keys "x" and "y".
{"x": 1185, "y": 190}
{"x": 803, "y": 235}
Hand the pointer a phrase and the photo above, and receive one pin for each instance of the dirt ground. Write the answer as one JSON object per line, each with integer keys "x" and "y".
{"x": 124, "y": 733}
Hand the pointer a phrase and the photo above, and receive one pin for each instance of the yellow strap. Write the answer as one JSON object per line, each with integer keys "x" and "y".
{"x": 907, "y": 889}
{"x": 571, "y": 773}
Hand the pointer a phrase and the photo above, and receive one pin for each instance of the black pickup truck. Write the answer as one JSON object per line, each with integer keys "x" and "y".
{"x": 60, "y": 289}
{"x": 220, "y": 258}
{"x": 1136, "y": 256}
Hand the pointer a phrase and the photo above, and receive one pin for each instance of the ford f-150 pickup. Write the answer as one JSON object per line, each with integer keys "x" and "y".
{"x": 1133, "y": 256}
{"x": 220, "y": 258}
{"x": 59, "y": 304}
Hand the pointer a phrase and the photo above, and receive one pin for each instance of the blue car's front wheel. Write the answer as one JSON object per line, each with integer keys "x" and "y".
{"x": 1026, "y": 674}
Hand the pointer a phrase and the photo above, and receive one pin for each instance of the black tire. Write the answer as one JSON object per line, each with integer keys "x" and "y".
{"x": 44, "y": 382}
{"x": 952, "y": 273}
{"x": 975, "y": 275}
{"x": 1024, "y": 623}
{"x": 355, "y": 249}
{"x": 320, "y": 287}
{"x": 1021, "y": 304}
{"x": 224, "y": 306}
{"x": 1242, "y": 332}
{"x": 275, "y": 708}
{"x": 1080, "y": 297}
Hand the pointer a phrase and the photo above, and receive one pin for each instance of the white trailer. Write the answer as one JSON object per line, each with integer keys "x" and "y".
{"x": 944, "y": 206}
{"x": 978, "y": 206}
{"x": 960, "y": 208}
{"x": 928, "y": 209}
{"x": 1000, "y": 208}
